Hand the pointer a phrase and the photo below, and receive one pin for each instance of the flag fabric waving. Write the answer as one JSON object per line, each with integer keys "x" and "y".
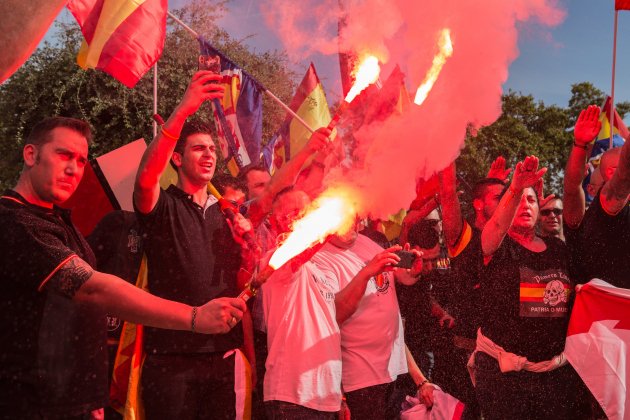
{"x": 622, "y": 4}
{"x": 107, "y": 185}
{"x": 309, "y": 102}
{"x": 240, "y": 112}
{"x": 598, "y": 344}
{"x": 123, "y": 38}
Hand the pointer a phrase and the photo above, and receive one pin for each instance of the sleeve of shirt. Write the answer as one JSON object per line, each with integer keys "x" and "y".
{"x": 148, "y": 220}
{"x": 41, "y": 260}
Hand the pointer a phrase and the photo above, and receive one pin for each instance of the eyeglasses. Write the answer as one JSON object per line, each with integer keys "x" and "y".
{"x": 547, "y": 212}
{"x": 242, "y": 208}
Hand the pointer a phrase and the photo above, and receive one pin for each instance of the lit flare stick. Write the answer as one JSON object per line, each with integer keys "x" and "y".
{"x": 330, "y": 214}
{"x": 367, "y": 73}
{"x": 446, "y": 50}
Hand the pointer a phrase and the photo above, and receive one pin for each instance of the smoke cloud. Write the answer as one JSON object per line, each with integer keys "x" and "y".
{"x": 426, "y": 138}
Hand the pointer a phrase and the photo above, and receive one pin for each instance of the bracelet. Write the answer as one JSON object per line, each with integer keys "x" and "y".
{"x": 581, "y": 146}
{"x": 169, "y": 135}
{"x": 421, "y": 384}
{"x": 193, "y": 319}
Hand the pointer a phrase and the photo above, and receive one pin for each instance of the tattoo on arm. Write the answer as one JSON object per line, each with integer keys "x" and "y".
{"x": 69, "y": 278}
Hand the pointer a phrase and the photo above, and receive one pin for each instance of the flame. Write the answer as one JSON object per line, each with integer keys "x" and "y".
{"x": 366, "y": 74}
{"x": 446, "y": 50}
{"x": 331, "y": 213}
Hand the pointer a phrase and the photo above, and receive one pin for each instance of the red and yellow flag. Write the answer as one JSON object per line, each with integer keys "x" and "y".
{"x": 123, "y": 38}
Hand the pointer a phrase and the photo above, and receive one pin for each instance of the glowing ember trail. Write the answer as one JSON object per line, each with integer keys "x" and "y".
{"x": 366, "y": 73}
{"x": 446, "y": 50}
{"x": 331, "y": 214}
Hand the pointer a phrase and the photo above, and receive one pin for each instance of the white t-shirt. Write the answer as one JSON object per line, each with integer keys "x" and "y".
{"x": 304, "y": 361}
{"x": 372, "y": 339}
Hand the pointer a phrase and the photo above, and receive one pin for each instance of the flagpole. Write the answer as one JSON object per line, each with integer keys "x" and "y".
{"x": 155, "y": 97}
{"x": 612, "y": 88}
{"x": 267, "y": 91}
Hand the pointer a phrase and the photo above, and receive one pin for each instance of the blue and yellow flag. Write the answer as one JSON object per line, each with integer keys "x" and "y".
{"x": 238, "y": 117}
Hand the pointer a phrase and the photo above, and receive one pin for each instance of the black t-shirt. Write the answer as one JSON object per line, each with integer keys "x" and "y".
{"x": 604, "y": 246}
{"x": 53, "y": 356}
{"x": 525, "y": 299}
{"x": 464, "y": 277}
{"x": 192, "y": 258}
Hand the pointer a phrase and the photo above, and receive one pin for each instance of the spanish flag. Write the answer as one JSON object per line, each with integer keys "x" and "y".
{"x": 309, "y": 102}
{"x": 622, "y": 4}
{"x": 123, "y": 38}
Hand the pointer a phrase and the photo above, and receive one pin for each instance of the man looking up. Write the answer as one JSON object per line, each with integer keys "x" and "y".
{"x": 193, "y": 255}
{"x": 53, "y": 360}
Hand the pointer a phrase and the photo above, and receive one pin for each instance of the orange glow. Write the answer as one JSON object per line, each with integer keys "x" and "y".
{"x": 366, "y": 74}
{"x": 331, "y": 213}
{"x": 446, "y": 50}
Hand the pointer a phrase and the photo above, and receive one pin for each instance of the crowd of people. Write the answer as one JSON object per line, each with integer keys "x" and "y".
{"x": 481, "y": 313}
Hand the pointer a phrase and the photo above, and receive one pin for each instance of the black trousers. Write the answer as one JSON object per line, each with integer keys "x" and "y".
{"x": 378, "y": 402}
{"x": 558, "y": 394}
{"x": 189, "y": 387}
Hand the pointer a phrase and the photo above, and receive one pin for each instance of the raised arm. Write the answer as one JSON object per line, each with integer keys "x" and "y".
{"x": 526, "y": 175}
{"x": 287, "y": 174}
{"x": 202, "y": 87}
{"x": 586, "y": 128}
{"x": 452, "y": 220}
{"x": 347, "y": 300}
{"x": 614, "y": 195}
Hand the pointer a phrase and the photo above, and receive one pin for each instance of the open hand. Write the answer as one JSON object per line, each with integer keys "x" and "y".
{"x": 587, "y": 126}
{"x": 498, "y": 169}
{"x": 527, "y": 174}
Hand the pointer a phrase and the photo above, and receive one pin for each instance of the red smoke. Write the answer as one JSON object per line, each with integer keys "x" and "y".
{"x": 426, "y": 138}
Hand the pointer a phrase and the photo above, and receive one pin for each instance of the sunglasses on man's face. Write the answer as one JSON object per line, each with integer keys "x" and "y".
{"x": 242, "y": 208}
{"x": 547, "y": 212}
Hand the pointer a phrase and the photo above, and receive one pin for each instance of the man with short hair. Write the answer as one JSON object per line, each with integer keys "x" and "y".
{"x": 53, "y": 359}
{"x": 192, "y": 255}
{"x": 550, "y": 219}
{"x": 486, "y": 197}
{"x": 303, "y": 368}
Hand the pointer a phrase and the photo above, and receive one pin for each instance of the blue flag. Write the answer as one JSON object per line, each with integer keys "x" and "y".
{"x": 238, "y": 117}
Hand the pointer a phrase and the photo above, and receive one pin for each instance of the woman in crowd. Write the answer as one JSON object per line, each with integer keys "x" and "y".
{"x": 518, "y": 365}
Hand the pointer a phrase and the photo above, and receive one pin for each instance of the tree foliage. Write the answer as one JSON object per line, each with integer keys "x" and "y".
{"x": 50, "y": 83}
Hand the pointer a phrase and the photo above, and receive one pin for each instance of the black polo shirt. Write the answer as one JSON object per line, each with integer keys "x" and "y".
{"x": 53, "y": 356}
{"x": 603, "y": 246}
{"x": 192, "y": 258}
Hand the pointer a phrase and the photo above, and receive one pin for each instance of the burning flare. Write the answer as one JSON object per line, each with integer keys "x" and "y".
{"x": 332, "y": 213}
{"x": 446, "y": 50}
{"x": 366, "y": 74}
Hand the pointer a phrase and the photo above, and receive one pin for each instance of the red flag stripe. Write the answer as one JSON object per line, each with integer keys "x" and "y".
{"x": 622, "y": 4}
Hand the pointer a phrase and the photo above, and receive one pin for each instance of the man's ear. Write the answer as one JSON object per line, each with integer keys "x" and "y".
{"x": 177, "y": 159}
{"x": 477, "y": 204}
{"x": 29, "y": 154}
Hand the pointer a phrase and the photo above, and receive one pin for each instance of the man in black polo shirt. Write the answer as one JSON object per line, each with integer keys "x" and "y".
{"x": 192, "y": 255}
{"x": 53, "y": 359}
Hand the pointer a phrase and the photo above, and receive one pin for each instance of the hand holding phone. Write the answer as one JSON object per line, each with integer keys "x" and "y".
{"x": 407, "y": 258}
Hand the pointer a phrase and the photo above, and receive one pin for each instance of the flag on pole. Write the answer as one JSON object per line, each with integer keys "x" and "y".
{"x": 241, "y": 112}
{"x": 622, "y": 4}
{"x": 598, "y": 344}
{"x": 124, "y": 392}
{"x": 309, "y": 102}
{"x": 107, "y": 185}
{"x": 123, "y": 38}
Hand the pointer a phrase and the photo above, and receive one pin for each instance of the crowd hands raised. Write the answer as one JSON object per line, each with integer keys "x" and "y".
{"x": 343, "y": 330}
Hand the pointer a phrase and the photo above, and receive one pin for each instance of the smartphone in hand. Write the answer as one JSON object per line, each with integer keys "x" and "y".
{"x": 210, "y": 62}
{"x": 407, "y": 258}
